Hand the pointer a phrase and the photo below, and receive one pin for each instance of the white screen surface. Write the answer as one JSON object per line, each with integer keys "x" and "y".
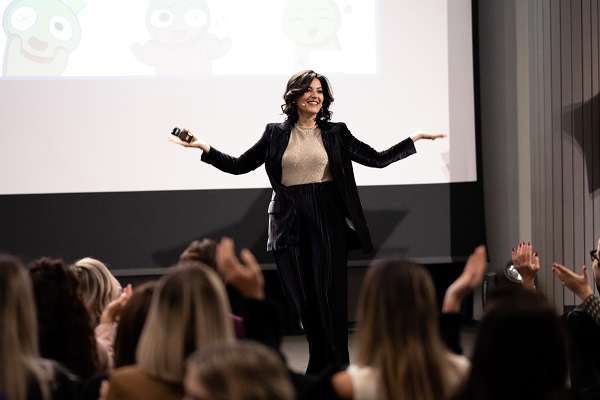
{"x": 90, "y": 91}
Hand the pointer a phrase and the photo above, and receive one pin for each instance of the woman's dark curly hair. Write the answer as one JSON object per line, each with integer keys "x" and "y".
{"x": 297, "y": 85}
{"x": 66, "y": 334}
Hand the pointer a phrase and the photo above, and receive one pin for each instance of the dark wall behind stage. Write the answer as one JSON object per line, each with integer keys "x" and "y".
{"x": 139, "y": 233}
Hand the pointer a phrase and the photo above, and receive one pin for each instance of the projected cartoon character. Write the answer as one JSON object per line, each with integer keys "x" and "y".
{"x": 314, "y": 26}
{"x": 180, "y": 44}
{"x": 40, "y": 36}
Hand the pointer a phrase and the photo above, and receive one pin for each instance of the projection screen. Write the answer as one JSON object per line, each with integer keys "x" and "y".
{"x": 90, "y": 91}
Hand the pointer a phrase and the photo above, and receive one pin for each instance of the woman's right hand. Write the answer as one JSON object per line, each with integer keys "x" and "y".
{"x": 196, "y": 142}
{"x": 470, "y": 278}
{"x": 526, "y": 264}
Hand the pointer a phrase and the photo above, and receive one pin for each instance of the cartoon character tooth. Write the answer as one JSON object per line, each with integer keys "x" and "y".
{"x": 40, "y": 36}
{"x": 180, "y": 44}
{"x": 314, "y": 26}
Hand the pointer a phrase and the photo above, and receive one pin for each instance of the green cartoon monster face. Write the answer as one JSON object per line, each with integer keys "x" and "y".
{"x": 177, "y": 21}
{"x": 311, "y": 22}
{"x": 42, "y": 26}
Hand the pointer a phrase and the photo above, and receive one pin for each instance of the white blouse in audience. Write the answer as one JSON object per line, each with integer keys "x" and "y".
{"x": 364, "y": 378}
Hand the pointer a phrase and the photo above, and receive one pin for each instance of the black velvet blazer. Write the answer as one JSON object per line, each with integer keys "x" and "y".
{"x": 342, "y": 148}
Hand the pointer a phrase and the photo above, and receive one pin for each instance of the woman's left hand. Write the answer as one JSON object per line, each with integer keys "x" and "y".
{"x": 428, "y": 136}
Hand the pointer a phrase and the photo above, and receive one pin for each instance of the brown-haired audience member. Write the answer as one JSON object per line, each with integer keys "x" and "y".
{"x": 65, "y": 330}
{"x": 131, "y": 322}
{"x": 189, "y": 310}
{"x": 520, "y": 350}
{"x": 243, "y": 370}
{"x": 203, "y": 250}
{"x": 400, "y": 354}
{"x": 23, "y": 374}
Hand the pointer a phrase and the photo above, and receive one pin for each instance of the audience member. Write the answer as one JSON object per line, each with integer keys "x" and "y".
{"x": 131, "y": 323}
{"x": 189, "y": 310}
{"x": 584, "y": 328}
{"x": 23, "y": 374}
{"x": 97, "y": 284}
{"x": 203, "y": 250}
{"x": 583, "y": 323}
{"x": 255, "y": 316}
{"x": 400, "y": 354}
{"x": 519, "y": 352}
{"x": 241, "y": 370}
{"x": 261, "y": 315}
{"x": 104, "y": 299}
{"x": 65, "y": 330}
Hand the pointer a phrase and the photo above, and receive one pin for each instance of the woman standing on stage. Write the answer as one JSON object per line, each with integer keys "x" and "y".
{"x": 315, "y": 214}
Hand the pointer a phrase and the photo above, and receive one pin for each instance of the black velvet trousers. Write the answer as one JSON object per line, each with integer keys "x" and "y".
{"x": 314, "y": 275}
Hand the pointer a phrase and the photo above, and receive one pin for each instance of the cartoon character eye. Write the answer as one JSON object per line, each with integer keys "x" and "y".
{"x": 23, "y": 18}
{"x": 325, "y": 19}
{"x": 60, "y": 28}
{"x": 195, "y": 18}
{"x": 161, "y": 18}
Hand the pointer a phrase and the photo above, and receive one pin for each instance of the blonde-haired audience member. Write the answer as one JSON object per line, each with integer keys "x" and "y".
{"x": 98, "y": 285}
{"x": 400, "y": 354}
{"x": 23, "y": 374}
{"x": 243, "y": 370}
{"x": 104, "y": 298}
{"x": 189, "y": 310}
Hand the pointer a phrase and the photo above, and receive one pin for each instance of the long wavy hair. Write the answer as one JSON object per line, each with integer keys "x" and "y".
{"x": 97, "y": 284}
{"x": 188, "y": 310}
{"x": 19, "y": 357}
{"x": 66, "y": 333}
{"x": 298, "y": 85}
{"x": 397, "y": 331}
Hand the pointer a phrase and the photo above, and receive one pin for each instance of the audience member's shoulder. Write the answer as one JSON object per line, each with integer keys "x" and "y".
{"x": 458, "y": 372}
{"x": 126, "y": 372}
{"x": 63, "y": 384}
{"x": 460, "y": 362}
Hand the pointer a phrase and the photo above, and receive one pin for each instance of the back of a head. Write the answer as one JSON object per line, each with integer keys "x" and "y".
{"x": 398, "y": 334}
{"x": 97, "y": 284}
{"x": 65, "y": 330}
{"x": 203, "y": 250}
{"x": 520, "y": 350}
{"x": 131, "y": 322}
{"x": 17, "y": 308}
{"x": 397, "y": 305}
{"x": 189, "y": 309}
{"x": 18, "y": 332}
{"x": 238, "y": 370}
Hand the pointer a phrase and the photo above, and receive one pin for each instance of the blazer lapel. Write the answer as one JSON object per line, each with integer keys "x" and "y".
{"x": 278, "y": 144}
